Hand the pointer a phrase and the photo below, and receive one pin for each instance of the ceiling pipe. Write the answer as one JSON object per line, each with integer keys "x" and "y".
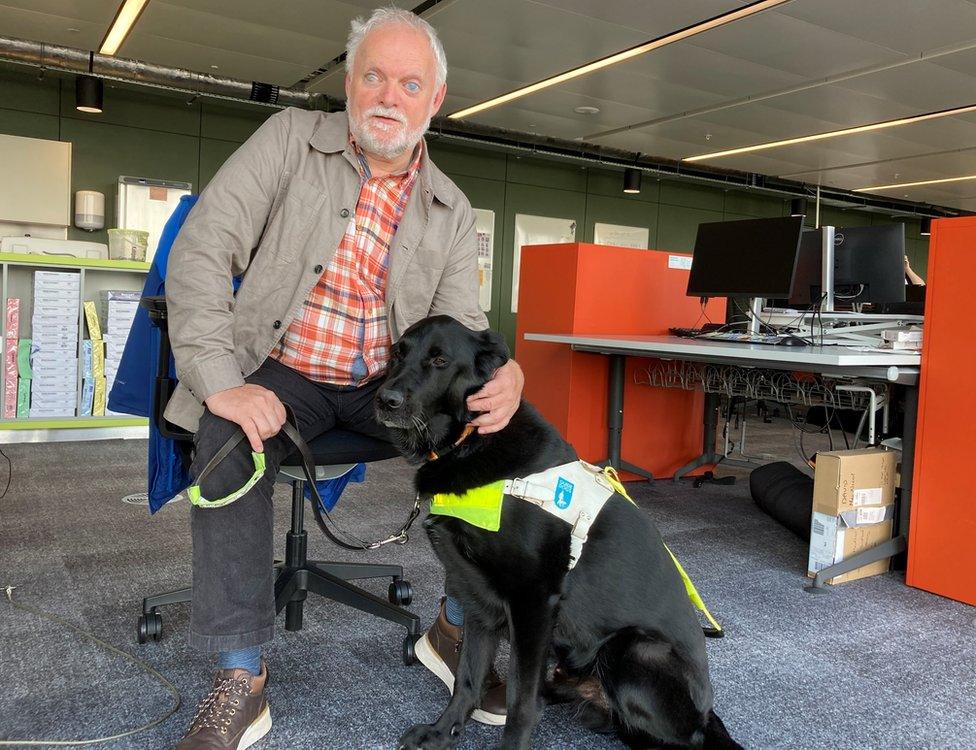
{"x": 73, "y": 60}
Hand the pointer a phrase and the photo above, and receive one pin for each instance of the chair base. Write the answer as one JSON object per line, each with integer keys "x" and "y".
{"x": 292, "y": 586}
{"x": 297, "y": 576}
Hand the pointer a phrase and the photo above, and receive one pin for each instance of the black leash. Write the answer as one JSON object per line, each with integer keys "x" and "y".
{"x": 322, "y": 517}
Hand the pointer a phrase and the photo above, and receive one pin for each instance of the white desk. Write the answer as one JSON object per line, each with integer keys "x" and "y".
{"x": 837, "y": 361}
{"x": 823, "y": 359}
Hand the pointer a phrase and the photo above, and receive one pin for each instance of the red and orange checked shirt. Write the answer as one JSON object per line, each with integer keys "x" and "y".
{"x": 342, "y": 336}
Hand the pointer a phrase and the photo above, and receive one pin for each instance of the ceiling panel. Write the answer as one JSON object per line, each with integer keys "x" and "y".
{"x": 787, "y": 43}
{"x": 907, "y": 26}
{"x": 81, "y": 23}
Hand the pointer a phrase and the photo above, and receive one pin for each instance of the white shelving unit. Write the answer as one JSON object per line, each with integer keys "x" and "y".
{"x": 96, "y": 275}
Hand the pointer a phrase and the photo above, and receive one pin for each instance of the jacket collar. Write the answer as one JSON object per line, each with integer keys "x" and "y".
{"x": 332, "y": 137}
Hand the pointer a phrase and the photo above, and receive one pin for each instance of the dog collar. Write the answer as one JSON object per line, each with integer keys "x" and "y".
{"x": 468, "y": 429}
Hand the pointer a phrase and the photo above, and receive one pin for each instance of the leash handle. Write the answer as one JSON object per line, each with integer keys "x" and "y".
{"x": 308, "y": 468}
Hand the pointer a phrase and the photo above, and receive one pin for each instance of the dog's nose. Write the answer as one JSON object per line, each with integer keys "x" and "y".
{"x": 391, "y": 399}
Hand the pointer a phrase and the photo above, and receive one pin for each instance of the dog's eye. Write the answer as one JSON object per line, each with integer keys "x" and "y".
{"x": 439, "y": 361}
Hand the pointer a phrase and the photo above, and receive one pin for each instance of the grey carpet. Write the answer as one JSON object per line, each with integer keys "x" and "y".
{"x": 872, "y": 664}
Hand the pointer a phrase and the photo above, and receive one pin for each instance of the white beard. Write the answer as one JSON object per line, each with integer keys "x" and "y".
{"x": 386, "y": 141}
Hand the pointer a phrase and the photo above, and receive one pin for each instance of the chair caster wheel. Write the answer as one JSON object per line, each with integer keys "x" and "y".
{"x": 409, "y": 652}
{"x": 401, "y": 592}
{"x": 150, "y": 626}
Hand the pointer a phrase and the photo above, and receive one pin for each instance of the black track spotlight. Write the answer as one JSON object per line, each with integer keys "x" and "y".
{"x": 926, "y": 228}
{"x": 632, "y": 180}
{"x": 798, "y": 207}
{"x": 88, "y": 94}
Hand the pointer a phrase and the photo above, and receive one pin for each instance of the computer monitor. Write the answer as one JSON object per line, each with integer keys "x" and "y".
{"x": 747, "y": 258}
{"x": 869, "y": 265}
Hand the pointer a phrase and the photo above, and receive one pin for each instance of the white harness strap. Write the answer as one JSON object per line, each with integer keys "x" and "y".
{"x": 575, "y": 493}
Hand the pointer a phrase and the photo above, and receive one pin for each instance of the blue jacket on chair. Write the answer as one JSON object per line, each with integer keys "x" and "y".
{"x": 132, "y": 392}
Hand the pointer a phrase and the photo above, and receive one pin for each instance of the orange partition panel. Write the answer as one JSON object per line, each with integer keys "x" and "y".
{"x": 942, "y": 535}
{"x": 593, "y": 289}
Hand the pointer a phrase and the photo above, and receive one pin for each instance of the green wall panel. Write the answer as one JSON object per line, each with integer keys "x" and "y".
{"x": 137, "y": 109}
{"x": 692, "y": 195}
{"x": 213, "y": 154}
{"x": 231, "y": 123}
{"x": 630, "y": 213}
{"x": 22, "y": 90}
{"x": 611, "y": 184}
{"x": 454, "y": 160}
{"x": 831, "y": 216}
{"x": 29, "y": 124}
{"x": 548, "y": 174}
{"x": 754, "y": 206}
{"x": 677, "y": 226}
{"x": 102, "y": 152}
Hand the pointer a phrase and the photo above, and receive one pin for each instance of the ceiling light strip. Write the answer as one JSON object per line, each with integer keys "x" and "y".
{"x": 125, "y": 18}
{"x": 835, "y": 133}
{"x": 641, "y": 49}
{"x": 915, "y": 184}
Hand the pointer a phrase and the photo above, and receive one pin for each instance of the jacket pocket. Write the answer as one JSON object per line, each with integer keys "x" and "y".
{"x": 290, "y": 222}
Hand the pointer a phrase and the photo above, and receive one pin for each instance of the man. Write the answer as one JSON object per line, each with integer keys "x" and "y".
{"x": 346, "y": 234}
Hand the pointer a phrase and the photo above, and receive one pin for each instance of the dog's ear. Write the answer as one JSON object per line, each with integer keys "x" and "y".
{"x": 492, "y": 353}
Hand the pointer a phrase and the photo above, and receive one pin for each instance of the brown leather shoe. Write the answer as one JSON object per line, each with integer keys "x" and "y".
{"x": 439, "y": 650}
{"x": 233, "y": 716}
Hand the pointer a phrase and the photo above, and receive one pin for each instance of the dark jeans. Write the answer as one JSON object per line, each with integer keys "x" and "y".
{"x": 233, "y": 550}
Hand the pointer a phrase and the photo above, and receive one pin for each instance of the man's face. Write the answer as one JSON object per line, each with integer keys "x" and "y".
{"x": 392, "y": 90}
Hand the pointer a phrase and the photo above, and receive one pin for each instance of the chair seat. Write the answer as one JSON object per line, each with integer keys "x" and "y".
{"x": 340, "y": 446}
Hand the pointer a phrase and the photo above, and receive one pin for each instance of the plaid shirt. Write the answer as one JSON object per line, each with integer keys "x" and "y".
{"x": 342, "y": 335}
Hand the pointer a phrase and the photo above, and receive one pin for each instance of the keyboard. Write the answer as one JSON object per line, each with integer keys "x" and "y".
{"x": 690, "y": 333}
{"x": 740, "y": 337}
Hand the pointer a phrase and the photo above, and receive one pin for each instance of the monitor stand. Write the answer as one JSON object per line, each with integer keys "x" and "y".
{"x": 755, "y": 311}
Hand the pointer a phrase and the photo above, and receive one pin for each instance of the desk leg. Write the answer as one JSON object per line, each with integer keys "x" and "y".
{"x": 615, "y": 419}
{"x": 907, "y": 470}
{"x": 892, "y": 547}
{"x": 708, "y": 454}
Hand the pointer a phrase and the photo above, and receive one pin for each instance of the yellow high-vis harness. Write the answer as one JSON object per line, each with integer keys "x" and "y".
{"x": 574, "y": 492}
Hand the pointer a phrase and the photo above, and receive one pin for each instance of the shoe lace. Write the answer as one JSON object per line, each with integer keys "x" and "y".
{"x": 219, "y": 706}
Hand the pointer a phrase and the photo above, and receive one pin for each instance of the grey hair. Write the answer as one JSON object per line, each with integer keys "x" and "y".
{"x": 360, "y": 27}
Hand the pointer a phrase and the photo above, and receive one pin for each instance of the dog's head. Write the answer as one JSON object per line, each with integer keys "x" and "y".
{"x": 433, "y": 368}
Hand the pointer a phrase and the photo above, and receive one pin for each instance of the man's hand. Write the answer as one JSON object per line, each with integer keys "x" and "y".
{"x": 498, "y": 399}
{"x": 257, "y": 410}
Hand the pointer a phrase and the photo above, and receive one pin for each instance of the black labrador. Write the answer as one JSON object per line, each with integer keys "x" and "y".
{"x": 620, "y": 616}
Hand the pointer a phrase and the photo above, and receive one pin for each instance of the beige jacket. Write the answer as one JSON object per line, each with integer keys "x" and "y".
{"x": 277, "y": 210}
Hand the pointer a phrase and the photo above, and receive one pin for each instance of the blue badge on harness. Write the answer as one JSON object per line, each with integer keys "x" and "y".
{"x": 564, "y": 493}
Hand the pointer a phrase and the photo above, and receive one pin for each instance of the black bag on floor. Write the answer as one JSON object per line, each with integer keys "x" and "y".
{"x": 784, "y": 492}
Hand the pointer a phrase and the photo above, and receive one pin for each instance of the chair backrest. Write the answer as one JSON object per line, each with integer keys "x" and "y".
{"x": 164, "y": 385}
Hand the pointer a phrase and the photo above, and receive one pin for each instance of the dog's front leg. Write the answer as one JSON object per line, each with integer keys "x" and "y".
{"x": 477, "y": 654}
{"x": 530, "y": 628}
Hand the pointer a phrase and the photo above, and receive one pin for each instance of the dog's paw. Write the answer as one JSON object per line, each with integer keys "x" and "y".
{"x": 427, "y": 737}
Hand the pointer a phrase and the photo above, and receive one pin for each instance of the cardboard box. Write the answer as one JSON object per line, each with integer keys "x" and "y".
{"x": 853, "y": 508}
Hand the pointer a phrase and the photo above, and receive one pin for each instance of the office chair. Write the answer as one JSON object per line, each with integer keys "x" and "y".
{"x": 334, "y": 453}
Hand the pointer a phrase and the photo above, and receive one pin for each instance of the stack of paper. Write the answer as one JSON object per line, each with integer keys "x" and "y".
{"x": 116, "y": 311}
{"x": 54, "y": 348}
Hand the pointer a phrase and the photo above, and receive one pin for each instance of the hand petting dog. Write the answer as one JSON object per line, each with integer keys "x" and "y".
{"x": 498, "y": 399}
